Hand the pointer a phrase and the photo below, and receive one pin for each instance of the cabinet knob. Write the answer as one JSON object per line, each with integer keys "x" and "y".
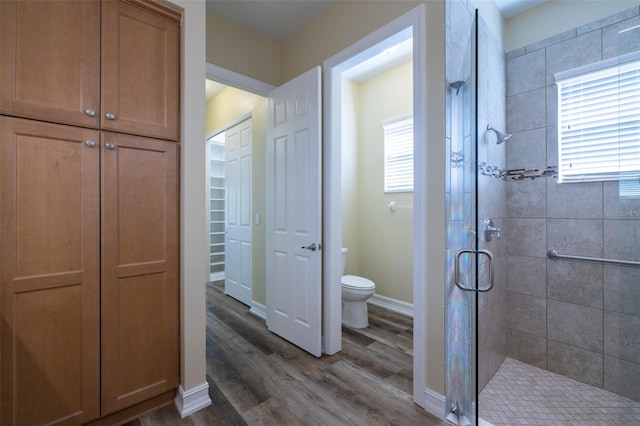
{"x": 110, "y": 145}
{"x": 110, "y": 116}
{"x": 90, "y": 112}
{"x": 90, "y": 143}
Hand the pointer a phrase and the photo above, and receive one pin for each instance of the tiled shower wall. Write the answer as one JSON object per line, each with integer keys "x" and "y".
{"x": 578, "y": 319}
{"x": 492, "y": 200}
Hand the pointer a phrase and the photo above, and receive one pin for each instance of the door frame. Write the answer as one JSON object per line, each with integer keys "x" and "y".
{"x": 248, "y": 84}
{"x": 332, "y": 232}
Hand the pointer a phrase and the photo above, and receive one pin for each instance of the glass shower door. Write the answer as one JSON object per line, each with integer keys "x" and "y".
{"x": 469, "y": 266}
{"x": 461, "y": 305}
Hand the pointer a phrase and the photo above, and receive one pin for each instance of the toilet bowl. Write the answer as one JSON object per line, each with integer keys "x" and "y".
{"x": 355, "y": 293}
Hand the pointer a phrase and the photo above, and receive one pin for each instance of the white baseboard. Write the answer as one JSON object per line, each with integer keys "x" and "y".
{"x": 394, "y": 305}
{"x": 258, "y": 309}
{"x": 192, "y": 400}
{"x": 434, "y": 403}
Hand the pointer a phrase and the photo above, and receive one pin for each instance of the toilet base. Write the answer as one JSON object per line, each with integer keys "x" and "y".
{"x": 355, "y": 315}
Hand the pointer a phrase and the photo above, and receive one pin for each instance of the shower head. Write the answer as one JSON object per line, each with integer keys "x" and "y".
{"x": 457, "y": 85}
{"x": 501, "y": 136}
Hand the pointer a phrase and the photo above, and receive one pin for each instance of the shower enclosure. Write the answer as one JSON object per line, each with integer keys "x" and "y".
{"x": 508, "y": 303}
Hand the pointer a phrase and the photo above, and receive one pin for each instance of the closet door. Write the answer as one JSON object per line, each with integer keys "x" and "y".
{"x": 49, "y": 271}
{"x": 49, "y": 60}
{"x": 140, "y": 67}
{"x": 139, "y": 269}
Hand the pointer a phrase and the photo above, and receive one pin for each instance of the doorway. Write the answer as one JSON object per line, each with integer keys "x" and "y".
{"x": 237, "y": 110}
{"x": 407, "y": 27}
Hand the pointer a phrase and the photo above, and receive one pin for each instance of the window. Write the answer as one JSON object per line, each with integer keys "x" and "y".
{"x": 398, "y": 154}
{"x": 599, "y": 121}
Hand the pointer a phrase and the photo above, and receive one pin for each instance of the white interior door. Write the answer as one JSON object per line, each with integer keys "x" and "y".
{"x": 238, "y": 245}
{"x": 293, "y": 220}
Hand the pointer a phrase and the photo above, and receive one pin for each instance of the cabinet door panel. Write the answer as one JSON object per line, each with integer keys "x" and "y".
{"x": 139, "y": 270}
{"x": 139, "y": 71}
{"x": 49, "y": 271}
{"x": 49, "y": 60}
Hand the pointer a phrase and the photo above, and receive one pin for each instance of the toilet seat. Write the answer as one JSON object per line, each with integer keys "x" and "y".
{"x": 357, "y": 283}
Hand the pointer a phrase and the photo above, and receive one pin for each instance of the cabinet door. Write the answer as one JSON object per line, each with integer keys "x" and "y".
{"x": 139, "y": 269}
{"x": 49, "y": 60}
{"x": 140, "y": 65}
{"x": 49, "y": 271}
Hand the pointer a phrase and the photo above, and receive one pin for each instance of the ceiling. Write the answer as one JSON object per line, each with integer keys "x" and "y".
{"x": 280, "y": 19}
{"x": 511, "y": 8}
{"x": 274, "y": 19}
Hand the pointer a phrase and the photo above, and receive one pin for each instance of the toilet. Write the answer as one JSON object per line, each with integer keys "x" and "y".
{"x": 355, "y": 293}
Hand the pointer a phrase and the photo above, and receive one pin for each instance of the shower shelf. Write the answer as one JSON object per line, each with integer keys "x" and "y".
{"x": 553, "y": 254}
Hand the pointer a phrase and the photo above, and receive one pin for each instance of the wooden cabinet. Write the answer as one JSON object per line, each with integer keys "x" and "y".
{"x": 89, "y": 271}
{"x": 139, "y": 71}
{"x": 57, "y": 65}
{"x": 139, "y": 269}
{"x": 89, "y": 250}
{"x": 50, "y": 60}
{"x": 50, "y": 272}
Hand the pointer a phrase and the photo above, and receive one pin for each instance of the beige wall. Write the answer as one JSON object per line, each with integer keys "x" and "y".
{"x": 238, "y": 49}
{"x": 226, "y": 108}
{"x": 555, "y": 17}
{"x": 320, "y": 39}
{"x": 193, "y": 204}
{"x": 350, "y": 192}
{"x": 385, "y": 248}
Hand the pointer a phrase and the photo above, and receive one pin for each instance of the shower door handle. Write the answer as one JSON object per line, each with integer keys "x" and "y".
{"x": 459, "y": 283}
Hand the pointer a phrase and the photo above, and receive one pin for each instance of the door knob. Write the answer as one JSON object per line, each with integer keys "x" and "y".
{"x": 311, "y": 247}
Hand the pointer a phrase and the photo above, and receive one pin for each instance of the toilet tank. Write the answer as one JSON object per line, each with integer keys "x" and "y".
{"x": 344, "y": 259}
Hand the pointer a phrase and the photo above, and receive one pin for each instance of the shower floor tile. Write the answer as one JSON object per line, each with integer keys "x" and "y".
{"x": 521, "y": 394}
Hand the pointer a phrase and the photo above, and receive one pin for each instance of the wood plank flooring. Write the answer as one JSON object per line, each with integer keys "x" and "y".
{"x": 257, "y": 378}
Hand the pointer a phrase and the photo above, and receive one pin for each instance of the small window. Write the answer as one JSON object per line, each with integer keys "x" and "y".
{"x": 599, "y": 121}
{"x": 398, "y": 154}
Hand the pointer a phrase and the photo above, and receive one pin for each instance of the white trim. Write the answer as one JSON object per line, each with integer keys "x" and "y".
{"x": 596, "y": 66}
{"x": 192, "y": 400}
{"x": 239, "y": 81}
{"x": 216, "y": 276}
{"x": 333, "y": 67}
{"x": 393, "y": 305}
{"x": 258, "y": 309}
{"x": 434, "y": 403}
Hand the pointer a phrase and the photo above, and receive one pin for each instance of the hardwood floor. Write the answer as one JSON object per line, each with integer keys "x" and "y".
{"x": 257, "y": 378}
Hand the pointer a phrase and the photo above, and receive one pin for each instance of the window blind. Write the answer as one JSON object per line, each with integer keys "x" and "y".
{"x": 398, "y": 154}
{"x": 599, "y": 121}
